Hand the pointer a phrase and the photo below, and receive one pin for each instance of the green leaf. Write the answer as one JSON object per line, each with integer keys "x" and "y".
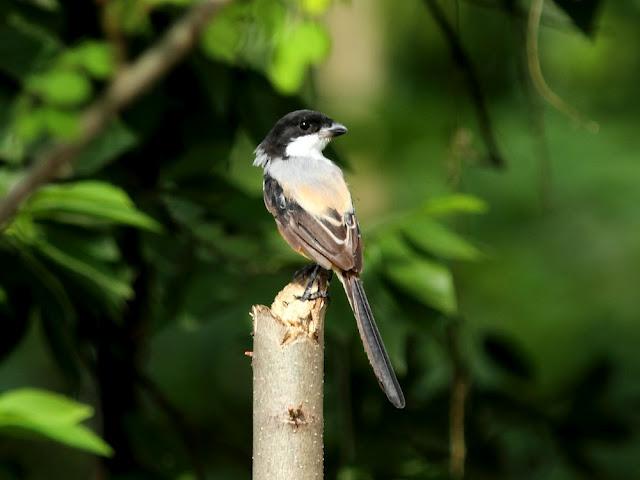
{"x": 456, "y": 203}
{"x": 77, "y": 436}
{"x": 44, "y": 407}
{"x": 24, "y": 48}
{"x": 92, "y": 270}
{"x": 66, "y": 88}
{"x": 60, "y": 123}
{"x": 7, "y": 179}
{"x": 99, "y": 246}
{"x": 392, "y": 246}
{"x": 112, "y": 143}
{"x": 315, "y": 7}
{"x": 30, "y": 123}
{"x": 245, "y": 33}
{"x": 301, "y": 46}
{"x": 95, "y": 57}
{"x": 132, "y": 17}
{"x": 96, "y": 199}
{"x": 12, "y": 149}
{"x": 179, "y": 3}
{"x": 429, "y": 282}
{"x": 51, "y": 415}
{"x": 50, "y": 5}
{"x": 439, "y": 240}
{"x": 223, "y": 37}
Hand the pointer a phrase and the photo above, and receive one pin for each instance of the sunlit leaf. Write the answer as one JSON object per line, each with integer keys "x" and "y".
{"x": 77, "y": 436}
{"x": 61, "y": 87}
{"x": 50, "y": 415}
{"x": 60, "y": 123}
{"x": 30, "y": 123}
{"x": 95, "y": 57}
{"x": 427, "y": 281}
{"x": 315, "y": 7}
{"x": 456, "y": 203}
{"x": 301, "y": 46}
{"x": 222, "y": 38}
{"x": 23, "y": 228}
{"x": 246, "y": 33}
{"x": 42, "y": 406}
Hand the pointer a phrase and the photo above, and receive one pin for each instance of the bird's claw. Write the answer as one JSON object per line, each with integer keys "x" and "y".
{"x": 308, "y": 296}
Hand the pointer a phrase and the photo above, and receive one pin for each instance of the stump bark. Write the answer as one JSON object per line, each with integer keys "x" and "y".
{"x": 288, "y": 375}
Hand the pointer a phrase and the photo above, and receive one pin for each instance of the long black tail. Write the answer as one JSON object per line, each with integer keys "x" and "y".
{"x": 371, "y": 338}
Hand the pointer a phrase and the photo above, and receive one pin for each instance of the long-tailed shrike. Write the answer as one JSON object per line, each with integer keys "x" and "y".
{"x": 308, "y": 196}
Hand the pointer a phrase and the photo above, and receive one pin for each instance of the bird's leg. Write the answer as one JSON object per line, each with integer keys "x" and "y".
{"x": 313, "y": 275}
{"x": 304, "y": 271}
{"x": 307, "y": 295}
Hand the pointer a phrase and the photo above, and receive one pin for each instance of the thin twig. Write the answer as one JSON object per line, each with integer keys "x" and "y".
{"x": 113, "y": 32}
{"x": 534, "y": 108}
{"x": 465, "y": 64}
{"x": 459, "y": 390}
{"x": 128, "y": 84}
{"x": 535, "y": 70}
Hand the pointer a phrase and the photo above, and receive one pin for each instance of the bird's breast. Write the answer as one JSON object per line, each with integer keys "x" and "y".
{"x": 317, "y": 185}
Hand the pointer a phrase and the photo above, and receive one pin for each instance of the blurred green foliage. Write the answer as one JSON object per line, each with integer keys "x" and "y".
{"x": 127, "y": 283}
{"x": 50, "y": 415}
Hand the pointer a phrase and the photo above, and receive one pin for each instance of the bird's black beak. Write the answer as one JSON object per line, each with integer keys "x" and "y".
{"x": 335, "y": 130}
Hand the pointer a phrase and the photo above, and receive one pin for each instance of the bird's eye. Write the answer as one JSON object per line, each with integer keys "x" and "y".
{"x": 304, "y": 125}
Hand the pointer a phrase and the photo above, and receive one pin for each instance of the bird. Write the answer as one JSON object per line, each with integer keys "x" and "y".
{"x": 308, "y": 196}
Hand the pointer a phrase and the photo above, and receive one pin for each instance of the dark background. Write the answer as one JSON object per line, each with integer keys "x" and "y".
{"x": 507, "y": 296}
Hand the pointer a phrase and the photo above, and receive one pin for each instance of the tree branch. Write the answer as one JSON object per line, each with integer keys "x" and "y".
{"x": 128, "y": 84}
{"x": 288, "y": 357}
{"x": 534, "y": 106}
{"x": 465, "y": 64}
{"x": 535, "y": 70}
{"x": 459, "y": 391}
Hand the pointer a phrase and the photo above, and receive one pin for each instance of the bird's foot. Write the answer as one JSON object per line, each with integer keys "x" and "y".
{"x": 305, "y": 297}
{"x": 305, "y": 271}
{"x": 312, "y": 271}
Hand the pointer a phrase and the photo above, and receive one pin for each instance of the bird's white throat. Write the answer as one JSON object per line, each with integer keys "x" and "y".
{"x": 307, "y": 146}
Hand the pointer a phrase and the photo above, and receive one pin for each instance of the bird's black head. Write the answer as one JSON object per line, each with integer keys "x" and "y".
{"x": 298, "y": 133}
